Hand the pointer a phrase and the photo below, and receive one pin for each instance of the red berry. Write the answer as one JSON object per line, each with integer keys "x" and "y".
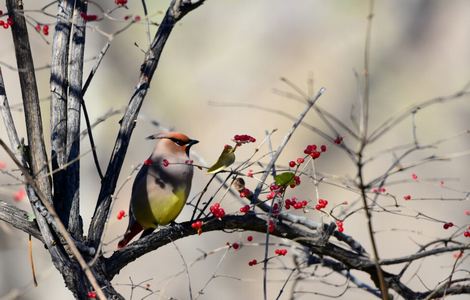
{"x": 323, "y": 148}
{"x": 165, "y": 163}
{"x": 245, "y": 193}
{"x": 466, "y": 234}
{"x": 338, "y": 140}
{"x": 407, "y": 197}
{"x": 148, "y": 162}
{"x": 252, "y": 262}
{"x": 10, "y": 21}
{"x": 414, "y": 176}
{"x": 315, "y": 154}
{"x": 137, "y": 19}
{"x": 91, "y": 294}
{"x": 121, "y": 214}
{"x": 120, "y": 2}
{"x": 250, "y": 173}
{"x": 245, "y": 209}
{"x": 19, "y": 195}
{"x": 197, "y": 225}
{"x": 249, "y": 238}
{"x": 467, "y": 212}
{"x": 38, "y": 27}
{"x": 271, "y": 226}
{"x": 281, "y": 252}
{"x": 3, "y": 165}
{"x": 300, "y": 160}
{"x": 235, "y": 246}
{"x": 292, "y": 164}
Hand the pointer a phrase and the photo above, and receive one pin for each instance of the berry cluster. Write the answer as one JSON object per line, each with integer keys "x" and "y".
{"x": 91, "y": 295}
{"x": 7, "y": 23}
{"x": 448, "y": 225}
{"x": 197, "y": 225}
{"x": 407, "y": 197}
{"x": 148, "y": 162}
{"x": 322, "y": 203}
{"x": 241, "y": 139}
{"x": 252, "y": 262}
{"x": 44, "y": 28}
{"x": 340, "y": 225}
{"x": 280, "y": 252}
{"x": 312, "y": 150}
{"x": 338, "y": 140}
{"x": 121, "y": 214}
{"x": 217, "y": 211}
{"x": 294, "y": 203}
{"x": 120, "y": 2}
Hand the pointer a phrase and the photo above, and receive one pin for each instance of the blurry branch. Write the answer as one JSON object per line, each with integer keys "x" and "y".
{"x": 286, "y": 115}
{"x": 393, "y": 121}
{"x": 363, "y": 130}
{"x": 284, "y": 142}
{"x": 176, "y": 11}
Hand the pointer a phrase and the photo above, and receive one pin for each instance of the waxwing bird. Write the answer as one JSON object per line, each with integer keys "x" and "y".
{"x": 162, "y": 185}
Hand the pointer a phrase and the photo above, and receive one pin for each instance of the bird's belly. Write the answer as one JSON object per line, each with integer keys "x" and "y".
{"x": 163, "y": 209}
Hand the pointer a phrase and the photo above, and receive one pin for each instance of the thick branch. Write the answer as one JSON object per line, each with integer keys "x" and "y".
{"x": 72, "y": 200}
{"x": 29, "y": 91}
{"x": 177, "y": 9}
{"x": 59, "y": 87}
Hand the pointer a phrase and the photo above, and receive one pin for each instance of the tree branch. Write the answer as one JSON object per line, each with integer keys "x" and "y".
{"x": 58, "y": 106}
{"x": 77, "y": 48}
{"x": 19, "y": 219}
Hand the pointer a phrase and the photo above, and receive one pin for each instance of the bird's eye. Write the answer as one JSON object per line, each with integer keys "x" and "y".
{"x": 178, "y": 142}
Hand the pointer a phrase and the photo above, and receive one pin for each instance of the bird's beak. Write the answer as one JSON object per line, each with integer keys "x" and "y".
{"x": 192, "y": 142}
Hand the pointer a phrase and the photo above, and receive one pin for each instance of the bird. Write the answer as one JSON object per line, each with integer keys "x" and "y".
{"x": 162, "y": 185}
{"x": 226, "y": 158}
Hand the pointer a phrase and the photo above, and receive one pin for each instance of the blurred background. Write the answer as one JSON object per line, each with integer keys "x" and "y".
{"x": 237, "y": 51}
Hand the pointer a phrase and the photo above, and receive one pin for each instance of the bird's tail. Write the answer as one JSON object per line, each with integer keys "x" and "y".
{"x": 131, "y": 232}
